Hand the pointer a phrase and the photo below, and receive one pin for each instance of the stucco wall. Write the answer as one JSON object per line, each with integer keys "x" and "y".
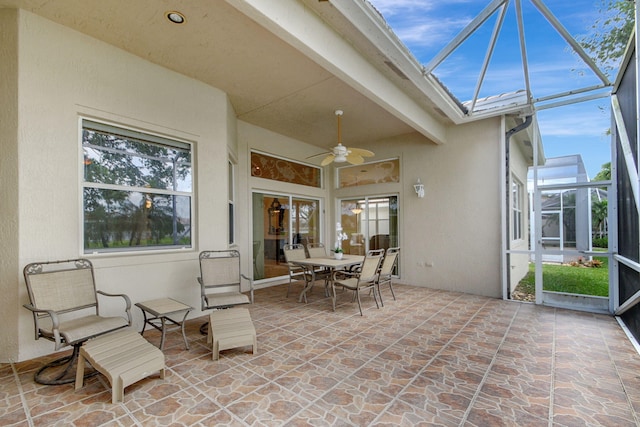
{"x": 450, "y": 239}
{"x": 64, "y": 75}
{"x": 9, "y": 264}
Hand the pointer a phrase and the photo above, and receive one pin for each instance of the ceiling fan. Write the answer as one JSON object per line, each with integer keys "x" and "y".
{"x": 340, "y": 153}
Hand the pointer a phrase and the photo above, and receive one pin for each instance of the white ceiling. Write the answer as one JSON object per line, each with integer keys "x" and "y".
{"x": 270, "y": 83}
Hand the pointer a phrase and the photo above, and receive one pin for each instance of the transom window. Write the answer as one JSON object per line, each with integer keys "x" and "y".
{"x": 137, "y": 190}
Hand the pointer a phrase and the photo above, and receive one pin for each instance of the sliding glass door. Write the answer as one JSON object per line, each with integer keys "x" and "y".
{"x": 370, "y": 223}
{"x": 280, "y": 219}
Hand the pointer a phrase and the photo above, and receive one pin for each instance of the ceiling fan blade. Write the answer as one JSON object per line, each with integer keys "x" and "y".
{"x": 324, "y": 153}
{"x": 327, "y": 160}
{"x": 361, "y": 152}
{"x": 355, "y": 159}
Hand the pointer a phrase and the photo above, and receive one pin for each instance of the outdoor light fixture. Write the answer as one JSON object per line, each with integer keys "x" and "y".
{"x": 419, "y": 188}
{"x": 175, "y": 17}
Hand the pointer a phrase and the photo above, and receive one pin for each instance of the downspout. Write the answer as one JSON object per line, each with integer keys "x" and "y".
{"x": 506, "y": 232}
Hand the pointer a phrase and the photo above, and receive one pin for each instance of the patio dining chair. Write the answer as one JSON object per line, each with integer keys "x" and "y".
{"x": 292, "y": 253}
{"x": 64, "y": 302}
{"x": 387, "y": 268}
{"x": 365, "y": 277}
{"x": 318, "y": 250}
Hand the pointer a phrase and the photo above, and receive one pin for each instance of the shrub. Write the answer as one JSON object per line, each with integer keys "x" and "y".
{"x": 601, "y": 242}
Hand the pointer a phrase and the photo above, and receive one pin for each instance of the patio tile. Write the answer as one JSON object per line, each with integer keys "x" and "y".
{"x": 429, "y": 358}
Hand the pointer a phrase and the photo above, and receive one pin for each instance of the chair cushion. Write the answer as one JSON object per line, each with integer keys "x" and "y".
{"x": 87, "y": 327}
{"x": 351, "y": 283}
{"x": 228, "y": 298}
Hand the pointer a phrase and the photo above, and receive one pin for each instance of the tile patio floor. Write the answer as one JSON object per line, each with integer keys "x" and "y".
{"x": 429, "y": 358}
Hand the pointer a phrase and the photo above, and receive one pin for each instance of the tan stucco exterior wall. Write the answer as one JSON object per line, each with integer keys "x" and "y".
{"x": 64, "y": 75}
{"x": 9, "y": 199}
{"x": 450, "y": 239}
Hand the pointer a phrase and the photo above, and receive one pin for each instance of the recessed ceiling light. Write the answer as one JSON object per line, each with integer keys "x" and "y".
{"x": 175, "y": 17}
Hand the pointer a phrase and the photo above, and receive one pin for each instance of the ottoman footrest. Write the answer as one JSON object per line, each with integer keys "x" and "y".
{"x": 123, "y": 357}
{"x": 231, "y": 328}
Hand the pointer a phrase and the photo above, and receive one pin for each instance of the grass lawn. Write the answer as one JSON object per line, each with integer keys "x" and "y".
{"x": 567, "y": 278}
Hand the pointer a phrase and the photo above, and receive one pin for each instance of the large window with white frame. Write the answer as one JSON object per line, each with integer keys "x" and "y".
{"x": 137, "y": 190}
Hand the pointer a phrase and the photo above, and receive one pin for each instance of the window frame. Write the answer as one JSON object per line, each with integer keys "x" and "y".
{"x": 232, "y": 219}
{"x": 517, "y": 209}
{"x": 144, "y": 137}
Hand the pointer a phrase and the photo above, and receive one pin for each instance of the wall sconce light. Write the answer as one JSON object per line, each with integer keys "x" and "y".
{"x": 275, "y": 206}
{"x": 419, "y": 188}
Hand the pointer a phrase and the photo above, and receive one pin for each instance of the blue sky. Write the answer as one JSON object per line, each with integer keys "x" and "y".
{"x": 426, "y": 26}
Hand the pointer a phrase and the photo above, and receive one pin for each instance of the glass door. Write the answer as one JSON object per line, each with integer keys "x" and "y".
{"x": 280, "y": 219}
{"x": 370, "y": 223}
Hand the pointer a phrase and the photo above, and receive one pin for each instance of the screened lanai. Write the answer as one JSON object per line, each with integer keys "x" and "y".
{"x": 565, "y": 211}
{"x": 247, "y": 76}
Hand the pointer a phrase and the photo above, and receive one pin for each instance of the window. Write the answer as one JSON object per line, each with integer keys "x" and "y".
{"x": 370, "y": 223}
{"x": 516, "y": 206}
{"x": 137, "y": 190}
{"x": 279, "y": 169}
{"x": 232, "y": 203}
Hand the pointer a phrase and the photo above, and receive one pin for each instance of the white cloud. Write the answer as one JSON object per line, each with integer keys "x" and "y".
{"x": 585, "y": 119}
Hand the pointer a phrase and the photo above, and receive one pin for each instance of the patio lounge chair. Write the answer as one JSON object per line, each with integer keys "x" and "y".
{"x": 64, "y": 303}
{"x": 220, "y": 281}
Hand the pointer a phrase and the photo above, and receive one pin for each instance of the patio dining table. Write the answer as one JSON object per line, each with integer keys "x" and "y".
{"x": 329, "y": 263}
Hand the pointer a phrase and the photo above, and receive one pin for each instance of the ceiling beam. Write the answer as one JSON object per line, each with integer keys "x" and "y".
{"x": 300, "y": 27}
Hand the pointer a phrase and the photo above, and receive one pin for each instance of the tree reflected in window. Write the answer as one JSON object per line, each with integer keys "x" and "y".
{"x": 137, "y": 190}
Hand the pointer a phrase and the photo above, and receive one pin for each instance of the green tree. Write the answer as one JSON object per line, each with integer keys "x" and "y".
{"x": 604, "y": 174}
{"x": 599, "y": 216}
{"x": 609, "y": 35}
{"x": 111, "y": 216}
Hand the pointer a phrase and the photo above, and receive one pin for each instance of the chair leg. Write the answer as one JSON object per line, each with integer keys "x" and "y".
{"x": 375, "y": 298}
{"x": 204, "y": 328}
{"x": 67, "y": 375}
{"x": 392, "y": 293}
{"x": 358, "y": 298}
